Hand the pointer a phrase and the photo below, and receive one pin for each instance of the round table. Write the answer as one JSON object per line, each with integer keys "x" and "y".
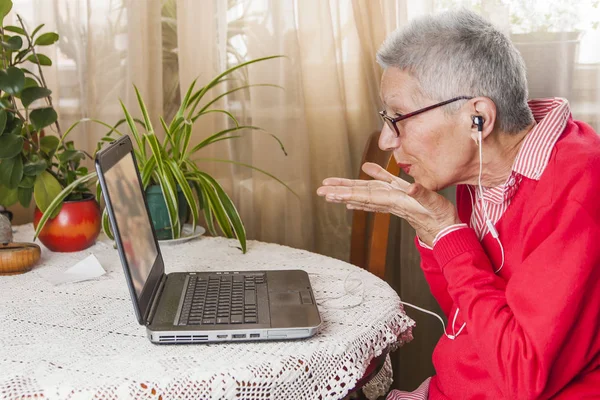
{"x": 81, "y": 340}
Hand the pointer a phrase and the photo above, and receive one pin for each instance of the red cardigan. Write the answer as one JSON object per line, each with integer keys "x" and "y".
{"x": 532, "y": 331}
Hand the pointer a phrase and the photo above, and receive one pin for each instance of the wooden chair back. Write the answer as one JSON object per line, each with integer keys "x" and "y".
{"x": 370, "y": 231}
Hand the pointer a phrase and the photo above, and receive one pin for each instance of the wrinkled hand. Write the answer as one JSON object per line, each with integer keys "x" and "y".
{"x": 425, "y": 210}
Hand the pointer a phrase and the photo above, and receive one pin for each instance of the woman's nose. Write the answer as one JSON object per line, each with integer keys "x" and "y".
{"x": 388, "y": 140}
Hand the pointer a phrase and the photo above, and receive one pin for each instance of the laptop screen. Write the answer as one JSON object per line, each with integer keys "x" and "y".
{"x": 132, "y": 220}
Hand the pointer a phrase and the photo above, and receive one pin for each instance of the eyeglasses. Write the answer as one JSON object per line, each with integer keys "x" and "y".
{"x": 391, "y": 121}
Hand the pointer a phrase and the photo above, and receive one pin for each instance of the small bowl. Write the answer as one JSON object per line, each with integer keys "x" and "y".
{"x": 17, "y": 258}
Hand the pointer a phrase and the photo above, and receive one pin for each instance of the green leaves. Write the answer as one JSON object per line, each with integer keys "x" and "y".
{"x": 12, "y": 43}
{"x": 195, "y": 99}
{"x": 4, "y": 103}
{"x": 41, "y": 59}
{"x": 36, "y": 30}
{"x": 213, "y": 138}
{"x": 31, "y": 94}
{"x": 49, "y": 144}
{"x": 15, "y": 29}
{"x": 45, "y": 190}
{"x": 8, "y": 197}
{"x": 30, "y": 164}
{"x": 144, "y": 110}
{"x": 46, "y": 39}
{"x": 106, "y": 225}
{"x": 231, "y": 212}
{"x": 5, "y": 7}
{"x": 70, "y": 155}
{"x": 148, "y": 170}
{"x": 12, "y": 80}
{"x": 11, "y": 172}
{"x": 24, "y": 195}
{"x": 3, "y": 118}
{"x": 42, "y": 117}
{"x": 135, "y": 132}
{"x": 30, "y": 82}
{"x": 186, "y": 189}
{"x": 253, "y": 168}
{"x": 218, "y": 206}
{"x": 27, "y": 182}
{"x": 10, "y": 145}
{"x": 184, "y": 143}
{"x": 13, "y": 126}
{"x": 34, "y": 168}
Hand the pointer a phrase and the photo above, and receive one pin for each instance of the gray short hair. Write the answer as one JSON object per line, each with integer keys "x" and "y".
{"x": 459, "y": 53}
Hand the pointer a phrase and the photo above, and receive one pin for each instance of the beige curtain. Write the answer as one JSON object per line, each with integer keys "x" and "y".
{"x": 105, "y": 48}
{"x": 199, "y": 58}
{"x": 323, "y": 115}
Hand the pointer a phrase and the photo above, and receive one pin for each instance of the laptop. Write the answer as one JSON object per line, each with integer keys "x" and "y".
{"x": 201, "y": 306}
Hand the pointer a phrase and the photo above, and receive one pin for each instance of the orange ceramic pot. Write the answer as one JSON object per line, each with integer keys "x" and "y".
{"x": 75, "y": 228}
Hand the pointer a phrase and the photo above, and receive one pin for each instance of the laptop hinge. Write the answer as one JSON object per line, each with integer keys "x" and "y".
{"x": 156, "y": 299}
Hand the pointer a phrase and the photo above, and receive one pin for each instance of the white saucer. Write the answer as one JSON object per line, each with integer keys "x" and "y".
{"x": 186, "y": 235}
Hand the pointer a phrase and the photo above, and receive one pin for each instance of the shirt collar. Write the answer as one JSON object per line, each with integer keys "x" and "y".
{"x": 551, "y": 116}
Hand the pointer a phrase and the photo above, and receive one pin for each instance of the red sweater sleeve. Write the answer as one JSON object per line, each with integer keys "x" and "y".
{"x": 435, "y": 278}
{"x": 547, "y": 314}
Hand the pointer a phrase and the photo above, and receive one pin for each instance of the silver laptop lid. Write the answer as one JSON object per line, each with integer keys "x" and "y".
{"x": 131, "y": 225}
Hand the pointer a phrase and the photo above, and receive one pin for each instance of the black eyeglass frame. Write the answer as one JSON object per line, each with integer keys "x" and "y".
{"x": 392, "y": 121}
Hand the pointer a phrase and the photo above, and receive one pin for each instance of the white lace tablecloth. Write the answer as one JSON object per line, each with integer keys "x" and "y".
{"x": 82, "y": 341}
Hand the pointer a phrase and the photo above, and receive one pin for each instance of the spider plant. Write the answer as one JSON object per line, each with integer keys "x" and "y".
{"x": 168, "y": 162}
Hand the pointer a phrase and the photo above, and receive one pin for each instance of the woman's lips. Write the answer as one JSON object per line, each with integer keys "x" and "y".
{"x": 404, "y": 167}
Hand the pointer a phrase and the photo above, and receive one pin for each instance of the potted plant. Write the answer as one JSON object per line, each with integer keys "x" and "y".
{"x": 169, "y": 167}
{"x": 33, "y": 164}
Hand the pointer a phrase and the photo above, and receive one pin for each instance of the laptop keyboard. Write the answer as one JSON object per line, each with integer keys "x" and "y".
{"x": 221, "y": 299}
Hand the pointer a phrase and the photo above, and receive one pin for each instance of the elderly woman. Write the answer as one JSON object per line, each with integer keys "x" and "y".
{"x": 515, "y": 266}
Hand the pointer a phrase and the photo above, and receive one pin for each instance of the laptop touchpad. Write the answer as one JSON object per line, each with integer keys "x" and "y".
{"x": 288, "y": 298}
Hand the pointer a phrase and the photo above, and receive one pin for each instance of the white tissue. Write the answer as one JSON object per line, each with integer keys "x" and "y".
{"x": 88, "y": 268}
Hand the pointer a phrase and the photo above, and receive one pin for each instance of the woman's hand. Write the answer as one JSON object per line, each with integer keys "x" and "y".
{"x": 425, "y": 210}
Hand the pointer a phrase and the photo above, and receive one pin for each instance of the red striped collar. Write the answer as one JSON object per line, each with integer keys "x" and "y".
{"x": 551, "y": 115}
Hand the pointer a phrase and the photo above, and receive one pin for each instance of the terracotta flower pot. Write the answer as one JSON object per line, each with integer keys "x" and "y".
{"x": 75, "y": 228}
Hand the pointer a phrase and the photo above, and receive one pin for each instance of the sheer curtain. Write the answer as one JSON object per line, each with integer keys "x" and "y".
{"x": 105, "y": 47}
{"x": 323, "y": 115}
